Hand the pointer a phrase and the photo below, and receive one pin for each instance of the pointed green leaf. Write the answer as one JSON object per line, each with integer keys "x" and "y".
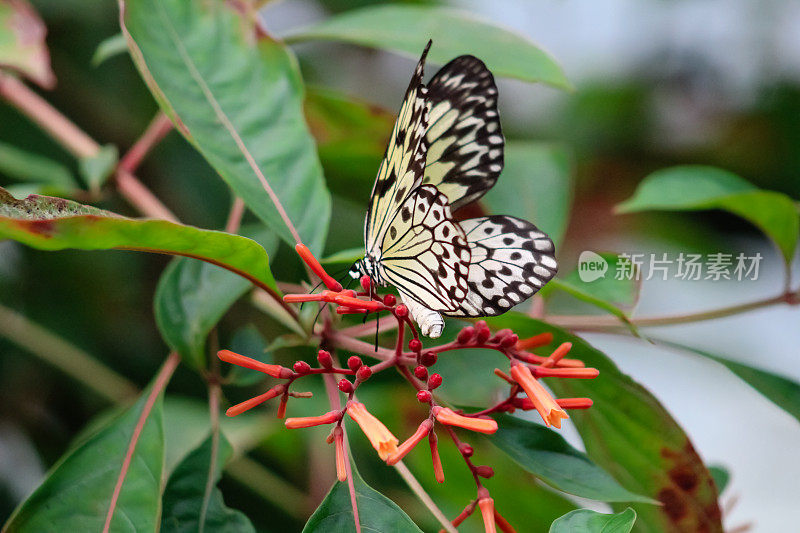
{"x": 406, "y": 29}
{"x": 188, "y": 506}
{"x": 97, "y": 169}
{"x": 77, "y": 493}
{"x": 586, "y": 521}
{"x": 631, "y": 435}
{"x": 191, "y": 297}
{"x": 238, "y": 98}
{"x": 33, "y": 168}
{"x": 22, "y": 42}
{"x": 49, "y": 223}
{"x": 545, "y": 453}
{"x": 782, "y": 391}
{"x": 376, "y": 512}
{"x": 689, "y": 188}
{"x": 721, "y": 477}
{"x": 108, "y": 48}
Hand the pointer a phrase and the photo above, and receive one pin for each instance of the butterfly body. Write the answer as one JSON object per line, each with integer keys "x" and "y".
{"x": 445, "y": 151}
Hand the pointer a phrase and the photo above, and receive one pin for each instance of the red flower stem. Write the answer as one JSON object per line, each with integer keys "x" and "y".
{"x": 466, "y": 513}
{"x": 235, "y": 216}
{"x": 309, "y": 259}
{"x": 160, "y": 383}
{"x": 502, "y": 523}
{"x": 155, "y": 132}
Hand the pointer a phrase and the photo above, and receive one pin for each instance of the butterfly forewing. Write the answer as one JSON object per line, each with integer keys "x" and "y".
{"x": 404, "y": 162}
{"x": 465, "y": 142}
{"x": 510, "y": 260}
{"x": 425, "y": 253}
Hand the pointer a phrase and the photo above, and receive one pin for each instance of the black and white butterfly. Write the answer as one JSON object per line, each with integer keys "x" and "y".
{"x": 445, "y": 151}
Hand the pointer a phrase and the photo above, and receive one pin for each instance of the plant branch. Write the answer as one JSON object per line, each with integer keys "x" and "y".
{"x": 593, "y": 323}
{"x": 47, "y": 117}
{"x": 155, "y": 132}
{"x": 423, "y": 496}
{"x": 65, "y": 356}
{"x": 272, "y": 488}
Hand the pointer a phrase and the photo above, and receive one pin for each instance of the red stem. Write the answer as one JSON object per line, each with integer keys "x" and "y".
{"x": 159, "y": 385}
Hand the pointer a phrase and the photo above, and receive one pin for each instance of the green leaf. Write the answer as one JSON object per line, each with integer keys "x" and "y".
{"x": 97, "y": 169}
{"x": 780, "y": 390}
{"x": 238, "y": 100}
{"x": 535, "y": 185}
{"x": 77, "y": 493}
{"x": 721, "y": 477}
{"x": 350, "y": 255}
{"x": 108, "y": 48}
{"x": 685, "y": 188}
{"x": 191, "y": 297}
{"x": 22, "y": 44}
{"x": 187, "y": 505}
{"x": 24, "y": 166}
{"x": 628, "y": 433}
{"x": 187, "y": 423}
{"x": 375, "y": 511}
{"x": 352, "y": 136}
{"x": 406, "y": 29}
{"x": 586, "y": 521}
{"x": 248, "y": 341}
{"x": 545, "y": 453}
{"x": 49, "y": 223}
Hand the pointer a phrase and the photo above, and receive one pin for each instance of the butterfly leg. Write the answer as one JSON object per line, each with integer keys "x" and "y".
{"x": 430, "y": 322}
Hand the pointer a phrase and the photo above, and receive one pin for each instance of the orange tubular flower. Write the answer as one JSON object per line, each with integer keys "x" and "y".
{"x": 487, "y": 511}
{"x": 380, "y": 437}
{"x": 448, "y": 417}
{"x": 309, "y": 259}
{"x": 548, "y": 408}
{"x": 410, "y": 443}
{"x": 341, "y": 456}
{"x": 309, "y": 421}
{"x": 276, "y": 371}
{"x": 246, "y": 405}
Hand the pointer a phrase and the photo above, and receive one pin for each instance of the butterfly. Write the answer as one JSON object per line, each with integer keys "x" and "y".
{"x": 445, "y": 151}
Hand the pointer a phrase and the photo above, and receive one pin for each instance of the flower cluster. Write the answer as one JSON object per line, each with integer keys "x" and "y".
{"x": 524, "y": 372}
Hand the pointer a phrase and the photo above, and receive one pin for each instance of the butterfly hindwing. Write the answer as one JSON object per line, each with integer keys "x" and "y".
{"x": 510, "y": 260}
{"x": 465, "y": 141}
{"x": 404, "y": 162}
{"x": 425, "y": 253}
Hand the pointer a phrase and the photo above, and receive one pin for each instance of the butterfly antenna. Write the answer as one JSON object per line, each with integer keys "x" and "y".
{"x": 311, "y": 292}
{"x": 321, "y": 307}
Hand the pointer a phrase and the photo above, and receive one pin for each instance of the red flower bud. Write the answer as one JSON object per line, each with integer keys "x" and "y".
{"x": 401, "y": 311}
{"x": 509, "y": 340}
{"x": 366, "y": 282}
{"x": 428, "y": 358}
{"x": 349, "y": 292}
{"x": 301, "y": 367}
{"x": 424, "y": 396}
{"x": 364, "y": 373}
{"x": 466, "y": 450}
{"x": 414, "y": 345}
{"x": 465, "y": 335}
{"x": 434, "y": 381}
{"x": 354, "y": 363}
{"x": 484, "y": 471}
{"x": 389, "y": 299}
{"x": 480, "y": 324}
{"x": 483, "y": 334}
{"x": 345, "y": 386}
{"x": 421, "y": 372}
{"x": 324, "y": 358}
